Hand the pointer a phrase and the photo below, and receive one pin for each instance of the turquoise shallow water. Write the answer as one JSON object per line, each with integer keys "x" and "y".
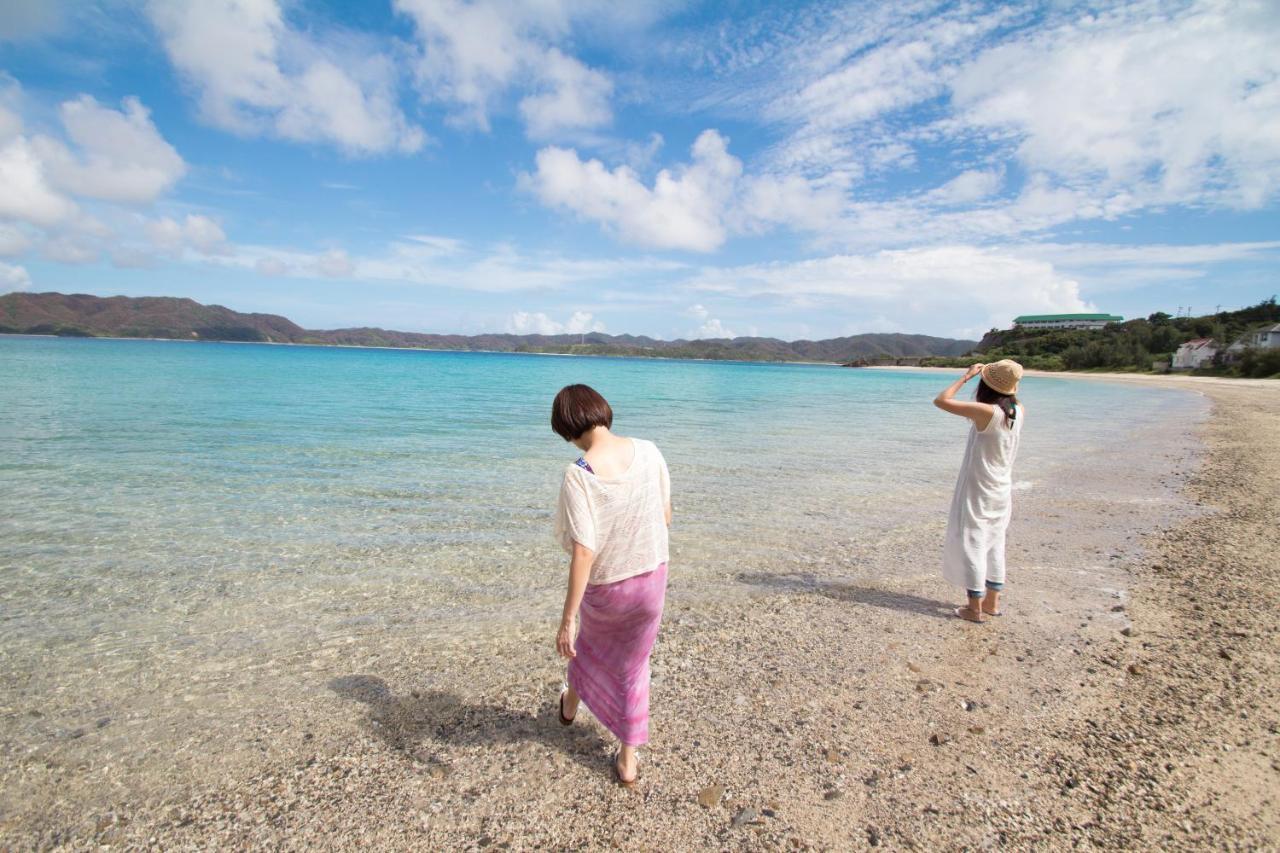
{"x": 139, "y": 469}
{"x": 176, "y": 517}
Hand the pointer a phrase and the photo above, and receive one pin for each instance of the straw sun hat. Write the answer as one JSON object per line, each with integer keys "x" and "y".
{"x": 1002, "y": 376}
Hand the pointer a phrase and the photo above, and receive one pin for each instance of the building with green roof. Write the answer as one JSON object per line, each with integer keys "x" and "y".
{"x": 1065, "y": 321}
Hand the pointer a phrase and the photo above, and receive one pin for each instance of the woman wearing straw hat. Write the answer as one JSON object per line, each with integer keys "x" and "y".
{"x": 973, "y": 557}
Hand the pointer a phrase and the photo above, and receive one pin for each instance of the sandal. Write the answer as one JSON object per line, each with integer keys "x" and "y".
{"x": 617, "y": 772}
{"x": 960, "y": 615}
{"x": 564, "y": 721}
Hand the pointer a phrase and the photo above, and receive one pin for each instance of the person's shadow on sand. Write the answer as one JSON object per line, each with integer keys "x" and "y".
{"x": 406, "y": 723}
{"x": 844, "y": 591}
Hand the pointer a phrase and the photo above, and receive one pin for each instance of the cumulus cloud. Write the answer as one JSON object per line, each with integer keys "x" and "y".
{"x": 255, "y": 74}
{"x": 574, "y": 97}
{"x": 120, "y": 156}
{"x": 684, "y": 209}
{"x": 105, "y": 155}
{"x": 708, "y": 326}
{"x": 473, "y": 53}
{"x": 13, "y": 277}
{"x": 526, "y": 323}
{"x": 693, "y": 206}
{"x": 27, "y": 195}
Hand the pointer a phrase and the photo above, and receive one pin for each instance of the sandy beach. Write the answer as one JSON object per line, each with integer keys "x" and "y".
{"x": 1126, "y": 700}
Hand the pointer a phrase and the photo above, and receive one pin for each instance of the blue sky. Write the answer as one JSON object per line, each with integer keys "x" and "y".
{"x": 672, "y": 169}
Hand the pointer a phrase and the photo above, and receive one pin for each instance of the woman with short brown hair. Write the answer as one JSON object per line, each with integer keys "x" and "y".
{"x": 612, "y": 518}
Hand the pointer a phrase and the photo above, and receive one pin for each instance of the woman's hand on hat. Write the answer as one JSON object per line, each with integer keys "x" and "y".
{"x": 974, "y": 371}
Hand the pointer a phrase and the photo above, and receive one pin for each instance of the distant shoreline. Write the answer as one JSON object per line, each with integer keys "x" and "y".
{"x": 427, "y": 349}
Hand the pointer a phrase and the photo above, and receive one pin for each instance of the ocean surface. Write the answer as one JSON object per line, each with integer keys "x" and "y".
{"x": 178, "y": 518}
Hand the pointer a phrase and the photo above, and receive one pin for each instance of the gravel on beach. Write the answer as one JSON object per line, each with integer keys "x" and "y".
{"x": 817, "y": 712}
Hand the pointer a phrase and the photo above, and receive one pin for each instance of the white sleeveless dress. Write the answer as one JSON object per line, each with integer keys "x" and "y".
{"x": 983, "y": 504}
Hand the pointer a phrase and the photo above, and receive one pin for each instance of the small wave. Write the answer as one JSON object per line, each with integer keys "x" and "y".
{"x": 1023, "y": 485}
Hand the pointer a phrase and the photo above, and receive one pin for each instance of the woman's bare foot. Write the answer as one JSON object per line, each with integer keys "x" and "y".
{"x": 970, "y": 613}
{"x": 568, "y": 705}
{"x": 627, "y": 765}
{"x": 991, "y": 604}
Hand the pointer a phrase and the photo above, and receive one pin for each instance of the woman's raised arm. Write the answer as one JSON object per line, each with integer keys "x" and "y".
{"x": 979, "y": 413}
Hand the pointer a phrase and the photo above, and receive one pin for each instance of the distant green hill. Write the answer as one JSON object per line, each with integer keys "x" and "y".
{"x": 1129, "y": 346}
{"x": 185, "y": 319}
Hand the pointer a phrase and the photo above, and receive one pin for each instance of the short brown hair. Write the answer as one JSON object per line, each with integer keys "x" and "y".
{"x": 578, "y": 409}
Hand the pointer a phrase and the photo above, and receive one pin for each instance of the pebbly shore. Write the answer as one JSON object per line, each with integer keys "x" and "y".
{"x": 1126, "y": 700}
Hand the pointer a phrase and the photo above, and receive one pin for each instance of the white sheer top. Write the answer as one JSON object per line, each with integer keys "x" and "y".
{"x": 622, "y": 520}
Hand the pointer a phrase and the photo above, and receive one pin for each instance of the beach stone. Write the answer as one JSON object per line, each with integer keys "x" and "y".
{"x": 710, "y": 796}
{"x": 873, "y": 836}
{"x": 832, "y": 794}
{"x": 939, "y": 738}
{"x": 1136, "y": 669}
{"x": 1128, "y": 631}
{"x": 745, "y": 817}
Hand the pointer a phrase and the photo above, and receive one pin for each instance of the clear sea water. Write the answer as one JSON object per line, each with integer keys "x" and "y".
{"x": 172, "y": 514}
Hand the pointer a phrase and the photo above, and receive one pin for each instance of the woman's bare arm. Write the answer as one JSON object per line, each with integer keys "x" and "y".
{"x": 979, "y": 413}
{"x": 579, "y": 573}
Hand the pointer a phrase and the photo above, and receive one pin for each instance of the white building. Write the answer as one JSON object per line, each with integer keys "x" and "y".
{"x": 1265, "y": 338}
{"x": 1065, "y": 321}
{"x": 1194, "y": 354}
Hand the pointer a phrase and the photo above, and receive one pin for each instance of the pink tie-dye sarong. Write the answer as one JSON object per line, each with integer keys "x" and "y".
{"x": 618, "y": 623}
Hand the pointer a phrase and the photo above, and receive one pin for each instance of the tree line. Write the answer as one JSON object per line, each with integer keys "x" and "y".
{"x": 1134, "y": 345}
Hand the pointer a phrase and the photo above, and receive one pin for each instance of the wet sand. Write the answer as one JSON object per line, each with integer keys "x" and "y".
{"x": 1127, "y": 699}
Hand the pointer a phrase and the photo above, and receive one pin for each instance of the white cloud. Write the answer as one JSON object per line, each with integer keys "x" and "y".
{"x": 13, "y": 278}
{"x": 13, "y": 241}
{"x": 272, "y": 267}
{"x": 70, "y": 250}
{"x": 473, "y": 53}
{"x": 1173, "y": 107}
{"x": 1053, "y": 115}
{"x": 121, "y": 156}
{"x": 576, "y": 97}
{"x": 693, "y": 206}
{"x": 939, "y": 280}
{"x": 27, "y": 196}
{"x": 1108, "y": 268}
{"x": 526, "y": 323}
{"x": 967, "y": 187}
{"x": 334, "y": 263}
{"x": 445, "y": 262}
{"x": 713, "y": 328}
{"x": 708, "y": 326}
{"x": 257, "y": 75}
{"x": 196, "y": 232}
{"x": 684, "y": 209}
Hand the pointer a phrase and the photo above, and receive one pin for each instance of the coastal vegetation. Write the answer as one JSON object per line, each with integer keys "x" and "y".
{"x": 1134, "y": 345}
{"x": 81, "y": 315}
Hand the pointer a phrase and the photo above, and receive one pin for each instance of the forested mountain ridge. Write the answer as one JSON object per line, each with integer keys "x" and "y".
{"x": 185, "y": 319}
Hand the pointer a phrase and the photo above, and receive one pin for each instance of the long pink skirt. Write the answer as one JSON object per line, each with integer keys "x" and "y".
{"x": 618, "y": 625}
